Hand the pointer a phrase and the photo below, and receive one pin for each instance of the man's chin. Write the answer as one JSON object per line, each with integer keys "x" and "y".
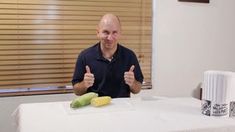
{"x": 107, "y": 45}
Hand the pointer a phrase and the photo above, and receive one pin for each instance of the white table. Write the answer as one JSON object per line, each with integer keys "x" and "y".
{"x": 122, "y": 115}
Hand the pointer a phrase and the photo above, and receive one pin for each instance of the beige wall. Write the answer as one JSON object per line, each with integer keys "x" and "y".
{"x": 190, "y": 38}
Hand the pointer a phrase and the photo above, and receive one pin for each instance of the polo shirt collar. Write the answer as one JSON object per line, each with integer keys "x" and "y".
{"x": 100, "y": 56}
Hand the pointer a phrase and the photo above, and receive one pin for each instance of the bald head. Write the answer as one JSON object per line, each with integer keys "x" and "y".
{"x": 109, "y": 19}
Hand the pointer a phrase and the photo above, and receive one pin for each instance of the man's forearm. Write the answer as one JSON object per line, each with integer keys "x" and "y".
{"x": 79, "y": 88}
{"x": 136, "y": 87}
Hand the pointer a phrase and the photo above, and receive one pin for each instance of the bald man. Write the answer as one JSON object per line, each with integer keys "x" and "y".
{"x": 107, "y": 68}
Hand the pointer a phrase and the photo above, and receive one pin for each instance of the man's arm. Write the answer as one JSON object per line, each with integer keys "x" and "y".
{"x": 79, "y": 88}
{"x": 88, "y": 80}
{"x": 136, "y": 87}
{"x": 130, "y": 80}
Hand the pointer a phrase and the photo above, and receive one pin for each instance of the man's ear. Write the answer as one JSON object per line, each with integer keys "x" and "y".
{"x": 97, "y": 32}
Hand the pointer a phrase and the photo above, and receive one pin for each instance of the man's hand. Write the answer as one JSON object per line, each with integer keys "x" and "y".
{"x": 129, "y": 76}
{"x": 88, "y": 79}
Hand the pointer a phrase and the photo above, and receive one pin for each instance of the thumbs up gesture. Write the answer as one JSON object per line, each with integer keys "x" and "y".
{"x": 129, "y": 76}
{"x": 88, "y": 78}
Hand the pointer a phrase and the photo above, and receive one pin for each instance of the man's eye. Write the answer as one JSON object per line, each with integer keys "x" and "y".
{"x": 105, "y": 32}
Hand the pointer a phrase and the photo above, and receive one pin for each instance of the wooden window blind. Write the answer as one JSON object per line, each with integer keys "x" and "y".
{"x": 40, "y": 39}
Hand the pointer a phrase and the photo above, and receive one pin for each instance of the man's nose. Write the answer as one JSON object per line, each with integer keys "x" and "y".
{"x": 110, "y": 36}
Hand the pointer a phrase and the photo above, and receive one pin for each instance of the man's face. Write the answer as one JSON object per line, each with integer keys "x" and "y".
{"x": 109, "y": 32}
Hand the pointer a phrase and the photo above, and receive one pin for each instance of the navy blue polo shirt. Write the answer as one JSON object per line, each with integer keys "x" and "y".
{"x": 109, "y": 75}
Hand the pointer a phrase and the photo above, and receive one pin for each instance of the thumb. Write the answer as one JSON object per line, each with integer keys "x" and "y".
{"x": 132, "y": 68}
{"x": 88, "y": 69}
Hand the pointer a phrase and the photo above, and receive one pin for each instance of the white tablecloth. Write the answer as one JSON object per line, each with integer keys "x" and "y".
{"x": 122, "y": 115}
